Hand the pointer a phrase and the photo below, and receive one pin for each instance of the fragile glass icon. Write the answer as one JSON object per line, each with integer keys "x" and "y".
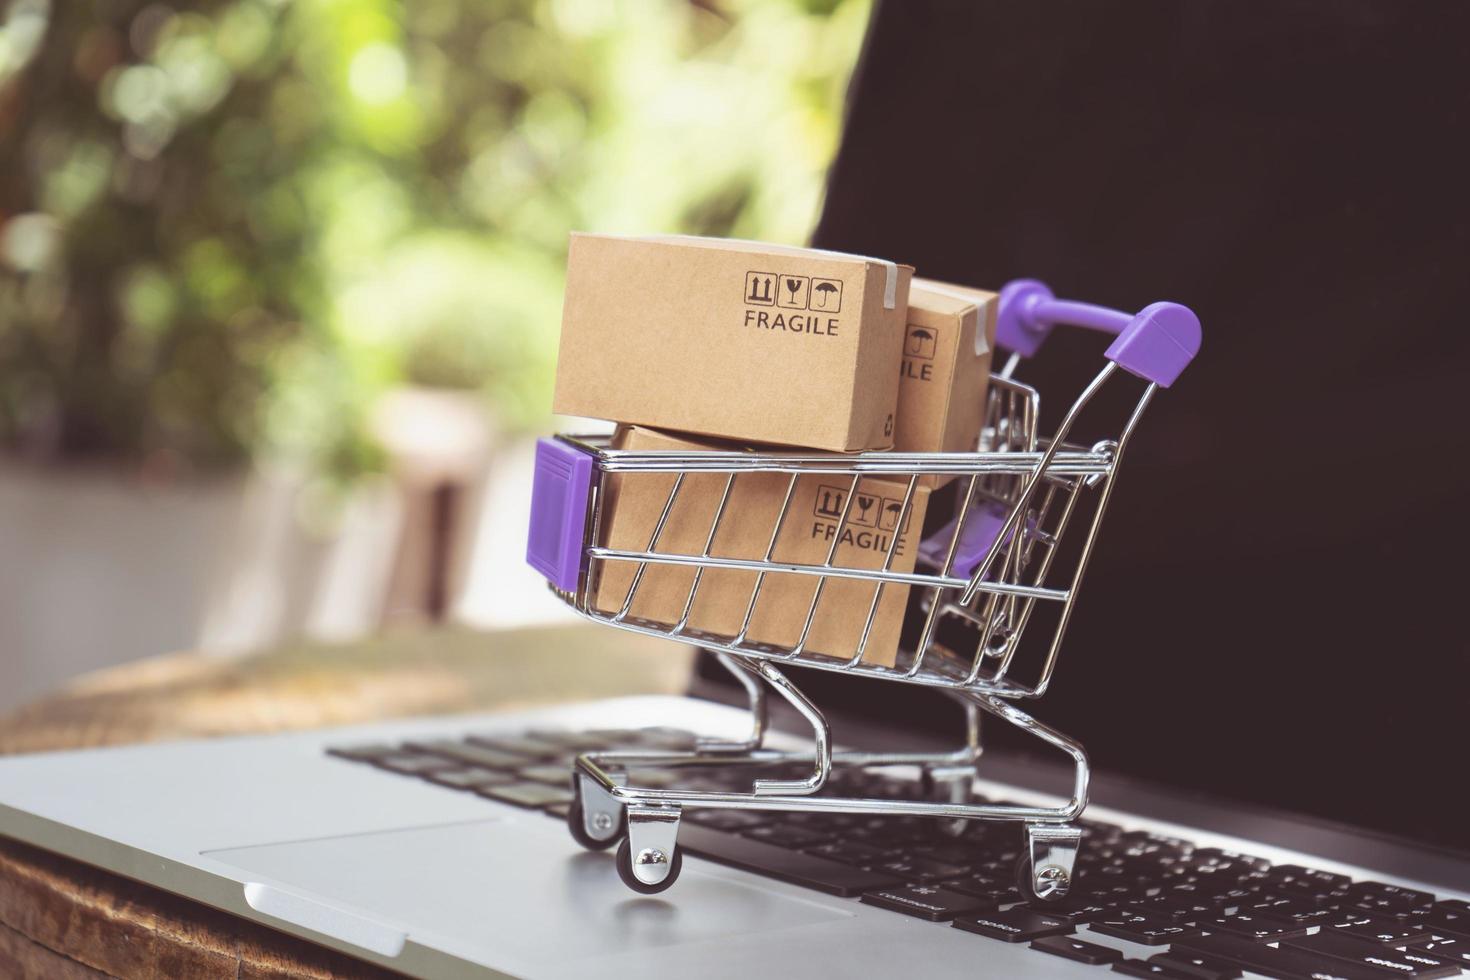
{"x": 793, "y": 293}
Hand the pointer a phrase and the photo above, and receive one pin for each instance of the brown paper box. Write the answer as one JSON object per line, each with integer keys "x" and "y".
{"x": 946, "y": 369}
{"x": 746, "y": 341}
{"x": 635, "y": 502}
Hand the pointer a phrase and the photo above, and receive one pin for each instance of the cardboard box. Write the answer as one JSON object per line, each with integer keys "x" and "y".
{"x": 738, "y": 340}
{"x": 631, "y": 511}
{"x": 946, "y": 369}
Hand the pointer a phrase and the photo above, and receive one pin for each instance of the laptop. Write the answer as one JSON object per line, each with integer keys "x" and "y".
{"x": 1266, "y": 663}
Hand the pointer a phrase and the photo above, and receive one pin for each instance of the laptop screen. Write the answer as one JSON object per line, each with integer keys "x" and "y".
{"x": 1277, "y": 610}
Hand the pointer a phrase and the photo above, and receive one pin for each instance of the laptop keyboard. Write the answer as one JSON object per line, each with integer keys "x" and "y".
{"x": 1180, "y": 911}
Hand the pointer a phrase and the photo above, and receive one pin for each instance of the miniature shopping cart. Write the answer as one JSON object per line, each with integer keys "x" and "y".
{"x": 1000, "y": 564}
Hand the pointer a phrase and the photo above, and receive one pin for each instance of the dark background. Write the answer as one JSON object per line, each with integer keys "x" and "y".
{"x": 1277, "y": 610}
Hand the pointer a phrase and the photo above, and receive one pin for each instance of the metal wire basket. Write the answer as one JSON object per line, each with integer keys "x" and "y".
{"x": 1024, "y": 517}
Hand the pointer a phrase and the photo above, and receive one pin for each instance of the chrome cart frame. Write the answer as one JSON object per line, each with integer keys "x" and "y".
{"x": 983, "y": 576}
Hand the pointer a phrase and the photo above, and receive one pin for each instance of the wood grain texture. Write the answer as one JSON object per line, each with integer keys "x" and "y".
{"x": 22, "y": 957}
{"x": 60, "y": 918}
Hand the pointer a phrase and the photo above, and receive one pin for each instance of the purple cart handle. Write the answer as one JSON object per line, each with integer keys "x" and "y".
{"x": 1157, "y": 343}
{"x": 559, "y": 497}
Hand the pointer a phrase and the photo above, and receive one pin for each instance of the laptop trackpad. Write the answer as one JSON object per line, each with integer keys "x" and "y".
{"x": 516, "y": 891}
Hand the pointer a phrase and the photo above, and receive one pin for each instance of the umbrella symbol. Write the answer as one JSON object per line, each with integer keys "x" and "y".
{"x": 824, "y": 292}
{"x": 890, "y": 517}
{"x": 921, "y": 343}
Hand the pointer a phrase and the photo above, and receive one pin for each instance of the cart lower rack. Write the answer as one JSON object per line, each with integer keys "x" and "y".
{"x": 1004, "y": 561}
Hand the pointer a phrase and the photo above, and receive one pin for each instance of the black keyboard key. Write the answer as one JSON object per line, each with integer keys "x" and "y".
{"x": 732, "y": 820}
{"x": 1361, "y": 953}
{"x": 1325, "y": 880}
{"x": 523, "y": 744}
{"x": 834, "y": 823}
{"x": 1139, "y": 928}
{"x": 1375, "y": 896}
{"x": 618, "y": 739}
{"x": 917, "y": 869}
{"x": 787, "y": 835}
{"x": 532, "y": 796}
{"x": 1000, "y": 867}
{"x": 1274, "y": 906}
{"x": 980, "y": 884}
{"x": 1453, "y": 905}
{"x": 849, "y": 852}
{"x": 1008, "y": 895}
{"x": 364, "y": 753}
{"x": 893, "y": 832}
{"x": 1452, "y": 950}
{"x": 1172, "y": 908}
{"x": 1307, "y": 915}
{"x": 412, "y": 764}
{"x": 1271, "y": 961}
{"x": 1216, "y": 856}
{"x": 468, "y": 778}
{"x": 1076, "y": 909}
{"x": 1098, "y": 831}
{"x": 551, "y": 775}
{"x": 1304, "y": 883}
{"x": 475, "y": 755}
{"x": 663, "y": 738}
{"x": 1072, "y": 948}
{"x": 1261, "y": 883}
{"x": 1148, "y": 968}
{"x": 930, "y": 902}
{"x": 963, "y": 855}
{"x": 1017, "y": 925}
{"x": 1197, "y": 965}
{"x": 1148, "y": 838}
{"x": 1112, "y": 874}
{"x": 1225, "y": 902}
{"x": 795, "y": 867}
{"x": 1446, "y": 917}
{"x": 1380, "y": 929}
{"x": 557, "y": 736}
{"x": 1257, "y": 928}
{"x": 987, "y": 887}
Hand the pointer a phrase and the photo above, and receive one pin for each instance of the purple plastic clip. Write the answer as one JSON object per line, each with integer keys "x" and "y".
{"x": 559, "y": 496}
{"x": 982, "y": 527}
{"x": 1156, "y": 344}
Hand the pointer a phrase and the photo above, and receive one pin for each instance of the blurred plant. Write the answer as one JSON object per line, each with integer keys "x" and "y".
{"x": 226, "y": 229}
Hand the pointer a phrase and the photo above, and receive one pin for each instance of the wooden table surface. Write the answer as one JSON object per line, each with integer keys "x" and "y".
{"x": 62, "y": 919}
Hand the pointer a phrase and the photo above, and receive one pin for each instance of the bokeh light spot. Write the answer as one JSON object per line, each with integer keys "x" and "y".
{"x": 30, "y": 241}
{"x": 378, "y": 74}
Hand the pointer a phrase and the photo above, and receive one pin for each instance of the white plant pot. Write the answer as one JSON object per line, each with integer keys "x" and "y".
{"x": 98, "y": 567}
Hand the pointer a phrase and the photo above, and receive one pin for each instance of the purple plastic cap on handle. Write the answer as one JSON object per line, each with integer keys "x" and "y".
{"x": 559, "y": 493}
{"x": 1158, "y": 343}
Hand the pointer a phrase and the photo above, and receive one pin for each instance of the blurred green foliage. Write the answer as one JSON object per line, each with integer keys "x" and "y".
{"x": 226, "y": 228}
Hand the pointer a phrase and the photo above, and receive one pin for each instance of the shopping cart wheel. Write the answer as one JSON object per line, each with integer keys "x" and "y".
{"x": 577, "y": 824}
{"x": 1052, "y": 890}
{"x": 1048, "y": 861}
{"x": 595, "y": 819}
{"x": 648, "y": 861}
{"x": 649, "y": 858}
